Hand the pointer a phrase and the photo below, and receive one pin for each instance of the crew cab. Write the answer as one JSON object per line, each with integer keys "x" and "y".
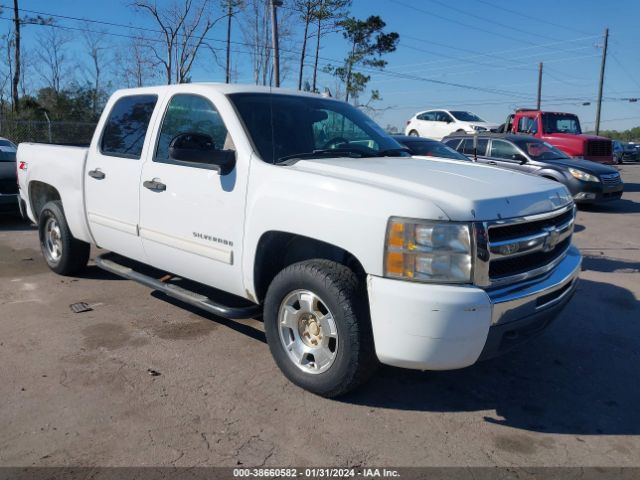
{"x": 562, "y": 130}
{"x": 249, "y": 201}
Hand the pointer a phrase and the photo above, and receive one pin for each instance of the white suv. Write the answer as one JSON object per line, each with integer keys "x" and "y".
{"x": 437, "y": 124}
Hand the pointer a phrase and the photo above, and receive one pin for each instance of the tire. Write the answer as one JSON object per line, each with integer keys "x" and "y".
{"x": 414, "y": 133}
{"x": 64, "y": 254}
{"x": 343, "y": 327}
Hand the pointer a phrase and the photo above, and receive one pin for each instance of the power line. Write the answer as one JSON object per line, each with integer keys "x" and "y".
{"x": 492, "y": 21}
{"x": 467, "y": 25}
{"x": 531, "y": 17}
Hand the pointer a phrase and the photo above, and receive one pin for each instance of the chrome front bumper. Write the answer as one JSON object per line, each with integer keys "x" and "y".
{"x": 522, "y": 311}
{"x": 528, "y": 298}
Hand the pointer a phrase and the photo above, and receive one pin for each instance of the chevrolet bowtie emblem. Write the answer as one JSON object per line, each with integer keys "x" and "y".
{"x": 550, "y": 242}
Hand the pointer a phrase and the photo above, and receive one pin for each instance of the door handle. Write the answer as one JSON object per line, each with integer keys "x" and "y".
{"x": 154, "y": 185}
{"x": 491, "y": 163}
{"x": 97, "y": 174}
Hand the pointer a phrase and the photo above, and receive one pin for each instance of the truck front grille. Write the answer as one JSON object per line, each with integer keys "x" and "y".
{"x": 8, "y": 186}
{"x": 512, "y": 250}
{"x": 598, "y": 148}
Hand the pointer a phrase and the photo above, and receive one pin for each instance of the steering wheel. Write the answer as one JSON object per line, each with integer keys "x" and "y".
{"x": 335, "y": 141}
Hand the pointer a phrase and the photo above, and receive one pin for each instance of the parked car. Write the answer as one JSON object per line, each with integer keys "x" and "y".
{"x": 631, "y": 152}
{"x": 562, "y": 130}
{"x": 436, "y": 124}
{"x": 618, "y": 151}
{"x": 8, "y": 177}
{"x": 588, "y": 182}
{"x": 353, "y": 251}
{"x": 428, "y": 148}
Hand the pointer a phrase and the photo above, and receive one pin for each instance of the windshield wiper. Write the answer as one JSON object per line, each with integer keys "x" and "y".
{"x": 342, "y": 152}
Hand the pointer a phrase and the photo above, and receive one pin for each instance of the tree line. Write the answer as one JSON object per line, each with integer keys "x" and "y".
{"x": 75, "y": 66}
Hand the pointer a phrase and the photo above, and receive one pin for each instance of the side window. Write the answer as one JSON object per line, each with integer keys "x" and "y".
{"x": 126, "y": 128}
{"x": 188, "y": 113}
{"x": 467, "y": 146}
{"x": 502, "y": 149}
{"x": 428, "y": 116}
{"x": 523, "y": 124}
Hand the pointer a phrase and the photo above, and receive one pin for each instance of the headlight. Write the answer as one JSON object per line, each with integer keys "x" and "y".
{"x": 580, "y": 175}
{"x": 427, "y": 251}
{"x": 478, "y": 128}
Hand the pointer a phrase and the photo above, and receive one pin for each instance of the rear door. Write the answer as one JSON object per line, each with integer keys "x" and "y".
{"x": 112, "y": 183}
{"x": 506, "y": 155}
{"x": 192, "y": 224}
{"x": 427, "y": 125}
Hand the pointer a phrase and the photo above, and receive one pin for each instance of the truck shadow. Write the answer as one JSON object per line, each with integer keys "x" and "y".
{"x": 581, "y": 377}
{"x": 13, "y": 223}
{"x": 609, "y": 265}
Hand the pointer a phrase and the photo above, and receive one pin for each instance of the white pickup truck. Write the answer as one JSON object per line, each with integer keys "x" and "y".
{"x": 249, "y": 201}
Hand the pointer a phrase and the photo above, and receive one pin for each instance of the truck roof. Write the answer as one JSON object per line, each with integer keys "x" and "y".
{"x": 533, "y": 110}
{"x": 224, "y": 88}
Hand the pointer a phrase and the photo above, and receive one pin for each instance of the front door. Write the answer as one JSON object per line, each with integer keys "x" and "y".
{"x": 192, "y": 216}
{"x": 506, "y": 155}
{"x": 113, "y": 175}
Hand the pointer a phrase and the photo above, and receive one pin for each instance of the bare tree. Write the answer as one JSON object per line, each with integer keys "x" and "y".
{"x": 307, "y": 10}
{"x": 53, "y": 60}
{"x": 15, "y": 99}
{"x": 232, "y": 7}
{"x": 137, "y": 65}
{"x": 327, "y": 17}
{"x": 257, "y": 33}
{"x": 97, "y": 49}
{"x": 183, "y": 27}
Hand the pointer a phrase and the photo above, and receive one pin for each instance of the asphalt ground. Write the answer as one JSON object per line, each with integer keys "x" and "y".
{"x": 142, "y": 380}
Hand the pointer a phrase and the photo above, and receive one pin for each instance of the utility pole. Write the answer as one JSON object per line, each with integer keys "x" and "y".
{"x": 229, "y": 14}
{"x": 274, "y": 41}
{"x": 15, "y": 100}
{"x": 539, "y": 85}
{"x": 604, "y": 61}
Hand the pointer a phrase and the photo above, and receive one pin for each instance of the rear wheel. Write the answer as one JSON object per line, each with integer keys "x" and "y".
{"x": 317, "y": 324}
{"x": 413, "y": 133}
{"x": 64, "y": 254}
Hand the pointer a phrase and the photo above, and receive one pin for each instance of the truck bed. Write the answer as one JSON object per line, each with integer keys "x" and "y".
{"x": 61, "y": 167}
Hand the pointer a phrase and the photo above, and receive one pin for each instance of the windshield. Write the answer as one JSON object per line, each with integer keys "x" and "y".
{"x": 433, "y": 149}
{"x": 538, "y": 150}
{"x": 560, "y": 123}
{"x": 284, "y": 127}
{"x": 466, "y": 117}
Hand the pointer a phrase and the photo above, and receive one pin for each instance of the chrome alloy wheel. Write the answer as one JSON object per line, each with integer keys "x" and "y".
{"x": 308, "y": 331}
{"x": 52, "y": 240}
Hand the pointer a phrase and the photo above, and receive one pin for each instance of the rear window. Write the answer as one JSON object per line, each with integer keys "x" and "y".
{"x": 127, "y": 125}
{"x": 467, "y": 146}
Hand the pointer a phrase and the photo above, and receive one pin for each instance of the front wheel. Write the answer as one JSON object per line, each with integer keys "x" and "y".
{"x": 64, "y": 254}
{"x": 316, "y": 320}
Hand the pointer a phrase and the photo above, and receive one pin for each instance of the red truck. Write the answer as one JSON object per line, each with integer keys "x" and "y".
{"x": 562, "y": 130}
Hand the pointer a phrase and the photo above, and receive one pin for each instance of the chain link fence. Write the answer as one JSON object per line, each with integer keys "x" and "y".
{"x": 63, "y": 133}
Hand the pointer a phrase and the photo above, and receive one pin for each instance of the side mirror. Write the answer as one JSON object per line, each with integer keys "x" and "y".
{"x": 200, "y": 148}
{"x": 519, "y": 157}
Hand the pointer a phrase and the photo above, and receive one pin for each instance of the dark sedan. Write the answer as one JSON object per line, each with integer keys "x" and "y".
{"x": 588, "y": 182}
{"x": 8, "y": 177}
{"x": 428, "y": 148}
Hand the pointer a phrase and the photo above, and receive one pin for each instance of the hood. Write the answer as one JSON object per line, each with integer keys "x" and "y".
{"x": 585, "y": 165}
{"x": 463, "y": 191}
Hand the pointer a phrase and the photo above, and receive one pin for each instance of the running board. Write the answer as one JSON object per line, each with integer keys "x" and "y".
{"x": 179, "y": 293}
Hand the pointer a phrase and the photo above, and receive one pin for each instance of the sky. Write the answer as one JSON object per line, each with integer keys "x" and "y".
{"x": 476, "y": 55}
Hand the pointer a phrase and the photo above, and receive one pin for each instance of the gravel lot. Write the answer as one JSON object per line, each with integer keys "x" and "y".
{"x": 75, "y": 389}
